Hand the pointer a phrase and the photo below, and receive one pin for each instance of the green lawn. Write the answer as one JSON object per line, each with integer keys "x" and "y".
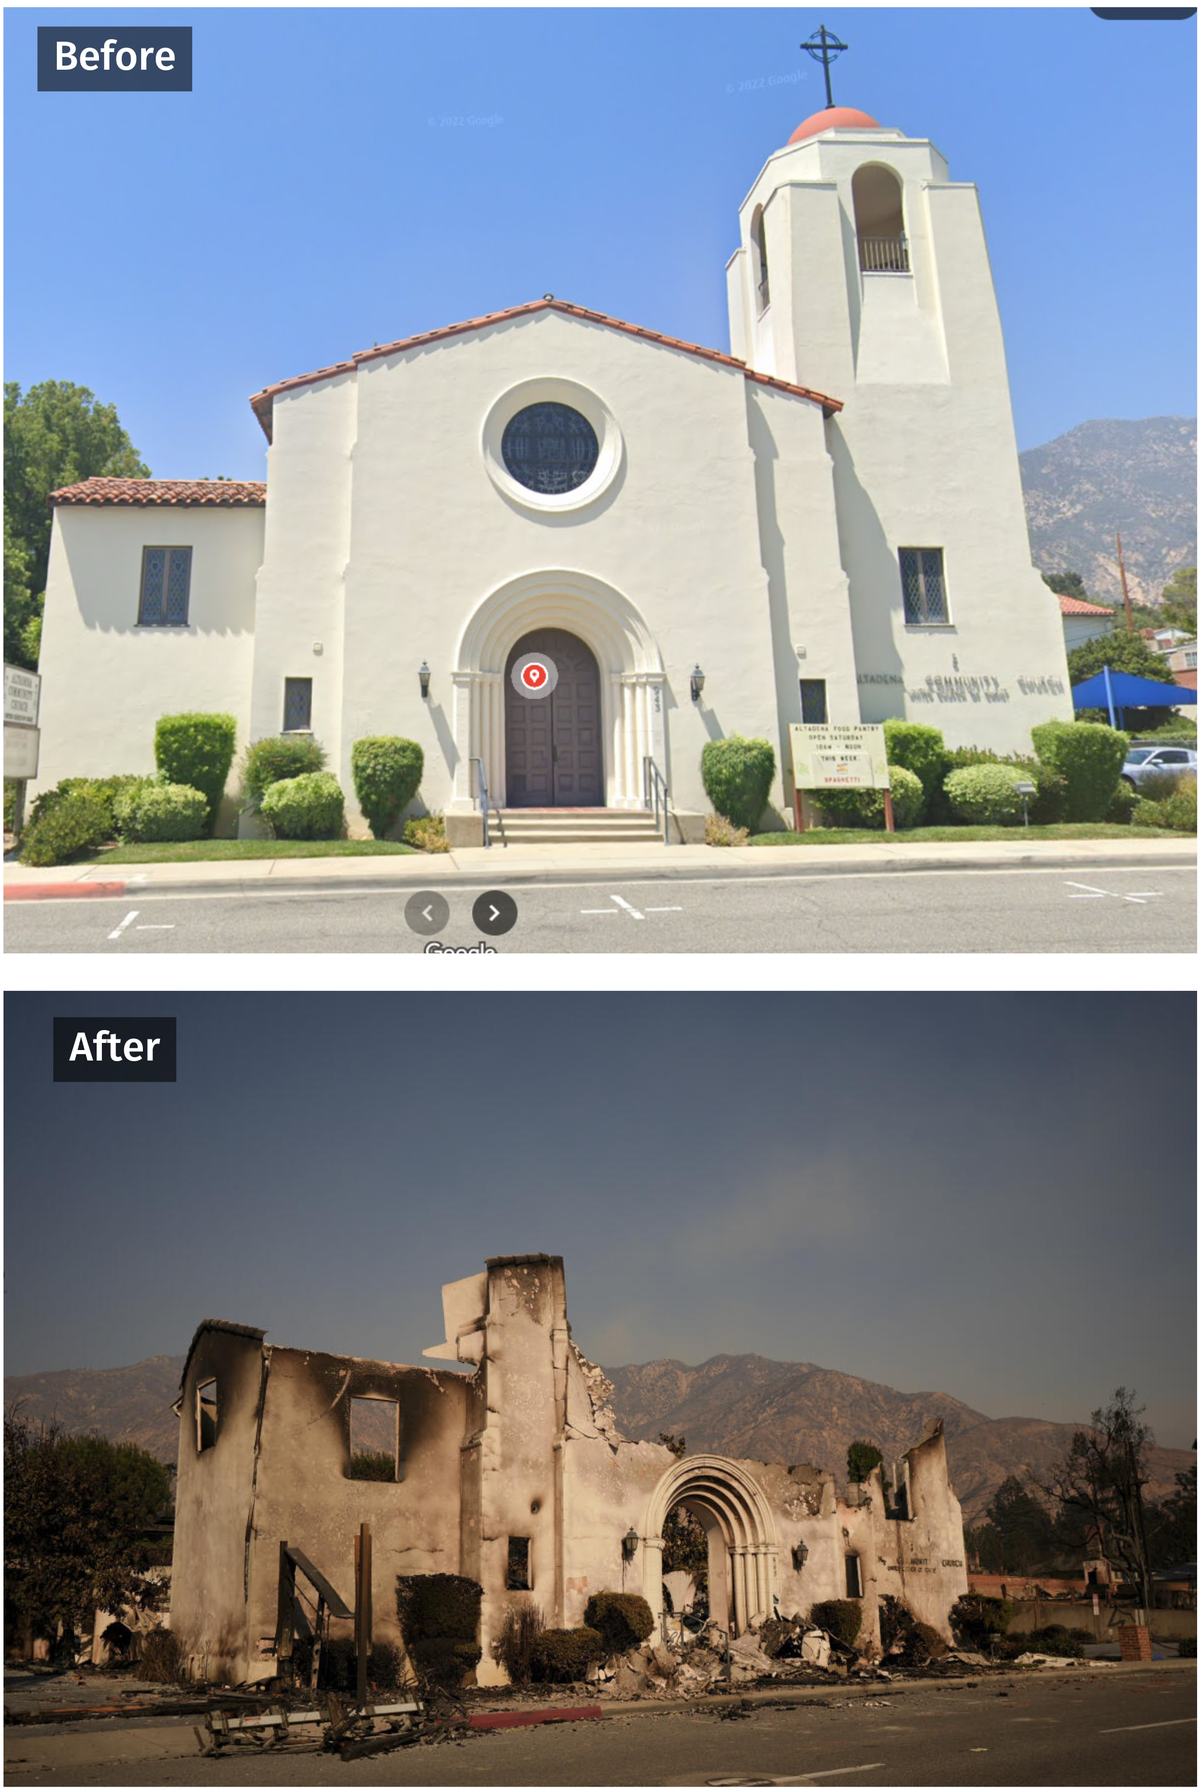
{"x": 187, "y": 852}
{"x": 1064, "y": 830}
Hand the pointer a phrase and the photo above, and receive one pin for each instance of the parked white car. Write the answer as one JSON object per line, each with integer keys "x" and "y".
{"x": 1172, "y": 762}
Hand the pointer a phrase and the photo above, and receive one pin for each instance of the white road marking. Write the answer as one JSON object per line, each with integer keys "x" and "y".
{"x": 797, "y": 1779}
{"x": 1090, "y": 892}
{"x": 599, "y": 911}
{"x": 675, "y": 908}
{"x": 155, "y": 927}
{"x": 1167, "y": 1724}
{"x": 629, "y": 908}
{"x": 118, "y": 931}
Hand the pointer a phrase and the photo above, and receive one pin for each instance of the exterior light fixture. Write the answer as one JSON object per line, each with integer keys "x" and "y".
{"x": 629, "y": 1544}
{"x": 424, "y": 676}
{"x": 697, "y": 683}
{"x": 799, "y": 1556}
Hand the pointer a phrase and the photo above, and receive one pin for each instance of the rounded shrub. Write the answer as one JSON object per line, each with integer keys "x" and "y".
{"x": 623, "y": 1619}
{"x": 310, "y": 807}
{"x": 1124, "y": 804}
{"x": 279, "y": 757}
{"x": 841, "y": 1618}
{"x": 387, "y": 775}
{"x": 1177, "y": 812}
{"x": 1050, "y": 804}
{"x": 976, "y": 1618}
{"x": 197, "y": 750}
{"x": 439, "y": 1618}
{"x": 924, "y": 1644}
{"x": 866, "y": 809}
{"x": 560, "y": 1656}
{"x": 77, "y": 823}
{"x": 1089, "y": 756}
{"x": 152, "y": 811}
{"x": 986, "y": 794}
{"x": 105, "y": 790}
{"x": 918, "y": 748}
{"x": 738, "y": 775}
{"x": 427, "y": 833}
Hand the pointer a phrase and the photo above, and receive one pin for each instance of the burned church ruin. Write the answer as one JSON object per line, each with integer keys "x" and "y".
{"x": 514, "y": 1474}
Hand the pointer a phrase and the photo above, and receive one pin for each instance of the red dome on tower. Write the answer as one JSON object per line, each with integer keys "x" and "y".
{"x": 843, "y": 118}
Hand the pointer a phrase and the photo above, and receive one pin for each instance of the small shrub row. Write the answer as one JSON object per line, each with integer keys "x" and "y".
{"x": 427, "y": 833}
{"x": 1177, "y": 811}
{"x": 275, "y": 760}
{"x": 307, "y": 807}
{"x": 150, "y": 811}
{"x": 866, "y": 808}
{"x": 560, "y": 1656}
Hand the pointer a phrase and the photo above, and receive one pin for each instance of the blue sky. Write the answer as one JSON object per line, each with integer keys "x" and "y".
{"x": 319, "y": 191}
{"x": 991, "y": 1195}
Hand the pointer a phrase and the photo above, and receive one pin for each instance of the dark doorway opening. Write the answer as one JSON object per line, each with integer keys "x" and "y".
{"x": 552, "y": 744}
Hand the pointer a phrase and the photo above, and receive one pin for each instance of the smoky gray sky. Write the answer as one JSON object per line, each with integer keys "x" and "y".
{"x": 991, "y": 1195}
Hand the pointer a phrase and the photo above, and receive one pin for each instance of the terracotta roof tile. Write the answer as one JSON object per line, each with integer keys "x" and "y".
{"x": 1075, "y": 606}
{"x": 213, "y": 493}
{"x": 262, "y": 401}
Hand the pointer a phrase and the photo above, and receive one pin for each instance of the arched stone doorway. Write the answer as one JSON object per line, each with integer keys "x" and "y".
{"x": 632, "y": 685}
{"x": 552, "y": 746}
{"x": 743, "y": 1546}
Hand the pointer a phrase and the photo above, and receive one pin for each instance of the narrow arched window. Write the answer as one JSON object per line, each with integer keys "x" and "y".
{"x": 879, "y": 221}
{"x": 758, "y": 252}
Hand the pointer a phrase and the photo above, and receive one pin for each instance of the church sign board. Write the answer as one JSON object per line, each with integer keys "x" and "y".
{"x": 839, "y": 756}
{"x": 22, "y": 693}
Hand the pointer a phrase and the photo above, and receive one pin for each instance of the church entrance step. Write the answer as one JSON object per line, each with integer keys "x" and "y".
{"x": 527, "y": 827}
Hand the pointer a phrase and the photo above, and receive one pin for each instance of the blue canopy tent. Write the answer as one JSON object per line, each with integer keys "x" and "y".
{"x": 1119, "y": 691}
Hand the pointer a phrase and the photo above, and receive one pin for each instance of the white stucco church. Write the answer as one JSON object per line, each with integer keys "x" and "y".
{"x": 824, "y": 523}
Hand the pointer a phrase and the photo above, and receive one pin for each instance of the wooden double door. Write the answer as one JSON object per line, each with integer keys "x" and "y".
{"x": 552, "y": 744}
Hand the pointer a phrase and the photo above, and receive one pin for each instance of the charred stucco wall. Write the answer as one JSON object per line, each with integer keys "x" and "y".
{"x": 215, "y": 1504}
{"x": 305, "y": 1495}
{"x": 920, "y": 1560}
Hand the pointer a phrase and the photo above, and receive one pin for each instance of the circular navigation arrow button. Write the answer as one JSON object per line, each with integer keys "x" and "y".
{"x": 427, "y": 912}
{"x": 494, "y": 912}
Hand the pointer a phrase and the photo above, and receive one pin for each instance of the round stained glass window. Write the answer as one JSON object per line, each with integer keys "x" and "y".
{"x": 550, "y": 448}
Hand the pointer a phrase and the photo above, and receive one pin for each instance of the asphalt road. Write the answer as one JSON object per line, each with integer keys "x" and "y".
{"x": 1064, "y": 1728}
{"x": 1152, "y": 909}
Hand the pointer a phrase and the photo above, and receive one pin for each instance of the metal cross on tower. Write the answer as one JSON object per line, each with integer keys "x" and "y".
{"x": 825, "y": 48}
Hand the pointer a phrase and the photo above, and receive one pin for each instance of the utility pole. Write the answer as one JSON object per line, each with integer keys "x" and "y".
{"x": 1124, "y": 583}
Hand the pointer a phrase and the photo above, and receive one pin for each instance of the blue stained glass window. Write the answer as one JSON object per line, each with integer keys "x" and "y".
{"x": 297, "y": 705}
{"x": 166, "y": 584}
{"x": 550, "y": 448}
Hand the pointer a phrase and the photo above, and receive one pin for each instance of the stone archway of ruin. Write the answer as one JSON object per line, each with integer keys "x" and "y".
{"x": 741, "y": 1539}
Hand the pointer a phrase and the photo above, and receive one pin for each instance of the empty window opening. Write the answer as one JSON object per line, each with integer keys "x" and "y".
{"x": 853, "y": 1578}
{"x": 923, "y": 578}
{"x": 813, "y": 707}
{"x": 297, "y": 705}
{"x": 206, "y": 1415}
{"x": 758, "y": 255}
{"x": 519, "y": 1579}
{"x": 879, "y": 221}
{"x": 374, "y": 1439}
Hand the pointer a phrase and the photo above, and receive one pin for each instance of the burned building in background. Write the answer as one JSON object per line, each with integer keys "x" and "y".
{"x": 514, "y": 1474}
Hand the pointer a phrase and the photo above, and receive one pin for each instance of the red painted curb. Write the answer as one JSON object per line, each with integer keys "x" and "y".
{"x": 511, "y": 1720}
{"x": 38, "y": 892}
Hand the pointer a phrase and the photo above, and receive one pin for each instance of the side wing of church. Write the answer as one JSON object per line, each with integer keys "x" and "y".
{"x": 514, "y": 1474}
{"x": 825, "y": 524}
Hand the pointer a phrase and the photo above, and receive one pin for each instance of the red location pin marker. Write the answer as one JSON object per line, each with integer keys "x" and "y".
{"x": 533, "y": 676}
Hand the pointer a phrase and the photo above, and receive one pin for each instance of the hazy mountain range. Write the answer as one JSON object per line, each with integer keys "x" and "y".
{"x": 1138, "y": 477}
{"x": 746, "y": 1406}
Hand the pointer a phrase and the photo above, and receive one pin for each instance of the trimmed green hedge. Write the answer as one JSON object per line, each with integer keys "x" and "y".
{"x": 278, "y": 758}
{"x": 738, "y": 774}
{"x": 439, "y": 1617}
{"x": 920, "y": 749}
{"x": 1089, "y": 756}
{"x": 151, "y": 811}
{"x": 623, "y": 1619}
{"x": 865, "y": 808}
{"x": 560, "y": 1656}
{"x": 387, "y": 775}
{"x": 986, "y": 795}
{"x": 77, "y": 823}
{"x": 310, "y": 807}
{"x": 196, "y": 750}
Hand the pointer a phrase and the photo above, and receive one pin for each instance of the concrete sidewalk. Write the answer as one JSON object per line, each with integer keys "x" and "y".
{"x": 502, "y": 867}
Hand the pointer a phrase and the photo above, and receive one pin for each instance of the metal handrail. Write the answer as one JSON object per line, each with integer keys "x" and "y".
{"x": 654, "y": 790}
{"x": 485, "y": 803}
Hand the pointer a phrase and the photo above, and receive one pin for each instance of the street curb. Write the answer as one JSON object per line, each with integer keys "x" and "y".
{"x": 873, "y": 1689}
{"x": 585, "y": 874}
{"x": 47, "y": 892}
{"x": 513, "y": 1720}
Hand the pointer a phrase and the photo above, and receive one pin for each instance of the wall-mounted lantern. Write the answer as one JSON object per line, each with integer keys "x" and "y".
{"x": 629, "y": 1545}
{"x": 424, "y": 676}
{"x": 697, "y": 684}
{"x": 799, "y": 1556}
